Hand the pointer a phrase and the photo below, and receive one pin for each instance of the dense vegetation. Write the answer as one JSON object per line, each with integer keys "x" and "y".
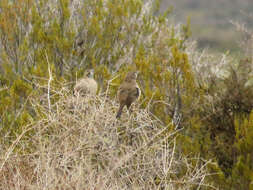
{"x": 193, "y": 125}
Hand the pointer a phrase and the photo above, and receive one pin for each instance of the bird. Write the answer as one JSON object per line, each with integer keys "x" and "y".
{"x": 128, "y": 92}
{"x": 86, "y": 85}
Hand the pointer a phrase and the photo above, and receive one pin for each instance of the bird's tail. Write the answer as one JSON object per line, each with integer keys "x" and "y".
{"x": 120, "y": 111}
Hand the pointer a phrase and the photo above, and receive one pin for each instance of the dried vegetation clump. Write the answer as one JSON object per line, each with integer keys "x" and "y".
{"x": 79, "y": 144}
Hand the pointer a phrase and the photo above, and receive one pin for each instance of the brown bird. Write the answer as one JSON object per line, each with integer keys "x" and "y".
{"x": 128, "y": 92}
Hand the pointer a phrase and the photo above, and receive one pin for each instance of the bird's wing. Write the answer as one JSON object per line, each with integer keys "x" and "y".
{"x": 123, "y": 92}
{"x": 138, "y": 91}
{"x": 135, "y": 92}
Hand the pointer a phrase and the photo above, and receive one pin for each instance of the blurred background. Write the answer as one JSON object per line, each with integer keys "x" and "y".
{"x": 211, "y": 21}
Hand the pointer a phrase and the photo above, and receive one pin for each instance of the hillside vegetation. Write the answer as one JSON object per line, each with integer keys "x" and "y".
{"x": 212, "y": 22}
{"x": 191, "y": 129}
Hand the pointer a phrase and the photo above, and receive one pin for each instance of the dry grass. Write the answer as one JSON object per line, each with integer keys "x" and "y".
{"x": 78, "y": 144}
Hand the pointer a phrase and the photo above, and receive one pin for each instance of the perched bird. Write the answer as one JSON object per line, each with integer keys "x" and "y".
{"x": 86, "y": 85}
{"x": 128, "y": 92}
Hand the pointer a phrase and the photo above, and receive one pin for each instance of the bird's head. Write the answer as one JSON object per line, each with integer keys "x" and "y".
{"x": 89, "y": 73}
{"x": 132, "y": 75}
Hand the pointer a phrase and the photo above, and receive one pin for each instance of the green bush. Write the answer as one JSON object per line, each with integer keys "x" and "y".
{"x": 63, "y": 38}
